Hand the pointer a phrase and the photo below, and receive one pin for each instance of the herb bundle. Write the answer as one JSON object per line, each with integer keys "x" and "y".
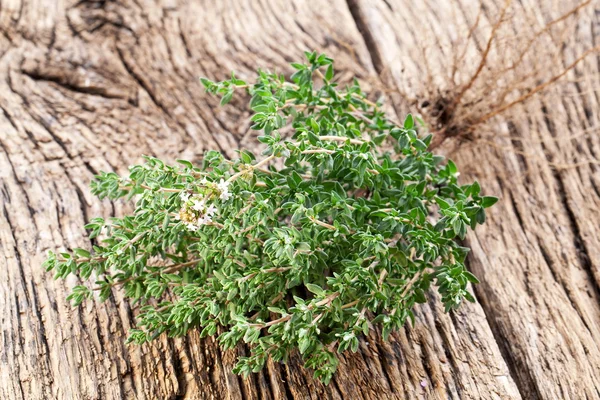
{"x": 342, "y": 223}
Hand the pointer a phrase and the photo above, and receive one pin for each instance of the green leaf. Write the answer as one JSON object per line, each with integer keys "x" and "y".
{"x": 354, "y": 345}
{"x": 246, "y": 156}
{"x": 419, "y": 144}
{"x": 452, "y": 167}
{"x": 379, "y": 139}
{"x": 457, "y": 226}
{"x": 419, "y": 296}
{"x": 409, "y": 122}
{"x": 265, "y": 139}
{"x": 475, "y": 189}
{"x": 297, "y": 178}
{"x": 186, "y": 163}
{"x": 207, "y": 83}
{"x": 81, "y": 252}
{"x": 470, "y": 277}
{"x": 470, "y": 297}
{"x": 444, "y": 205}
{"x": 226, "y": 97}
{"x": 315, "y": 289}
{"x": 329, "y": 73}
{"x": 488, "y": 201}
{"x": 312, "y": 138}
{"x": 291, "y": 182}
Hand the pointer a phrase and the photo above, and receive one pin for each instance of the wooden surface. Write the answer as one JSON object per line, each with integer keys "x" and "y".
{"x": 90, "y": 86}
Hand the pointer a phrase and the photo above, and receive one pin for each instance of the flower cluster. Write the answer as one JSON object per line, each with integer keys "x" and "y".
{"x": 196, "y": 208}
{"x": 194, "y": 211}
{"x": 223, "y": 189}
{"x": 349, "y": 235}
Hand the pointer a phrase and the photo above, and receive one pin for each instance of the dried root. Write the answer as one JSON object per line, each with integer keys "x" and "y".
{"x": 498, "y": 64}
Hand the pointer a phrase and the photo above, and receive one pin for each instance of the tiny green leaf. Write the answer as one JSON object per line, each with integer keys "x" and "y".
{"x": 329, "y": 73}
{"x": 409, "y": 122}
{"x": 315, "y": 289}
{"x": 488, "y": 201}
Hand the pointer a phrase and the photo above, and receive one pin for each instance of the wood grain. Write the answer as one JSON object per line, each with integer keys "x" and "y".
{"x": 90, "y": 86}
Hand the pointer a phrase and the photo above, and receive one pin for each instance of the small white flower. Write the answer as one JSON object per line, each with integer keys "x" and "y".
{"x": 204, "y": 181}
{"x": 177, "y": 217}
{"x": 223, "y": 185}
{"x": 199, "y": 205}
{"x": 191, "y": 227}
{"x": 203, "y": 220}
{"x": 211, "y": 210}
{"x": 184, "y": 196}
{"x": 225, "y": 195}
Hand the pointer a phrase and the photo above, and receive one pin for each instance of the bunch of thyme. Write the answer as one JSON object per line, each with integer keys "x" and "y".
{"x": 351, "y": 230}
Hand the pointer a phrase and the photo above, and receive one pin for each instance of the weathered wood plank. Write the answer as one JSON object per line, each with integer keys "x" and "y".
{"x": 89, "y": 86}
{"x": 537, "y": 256}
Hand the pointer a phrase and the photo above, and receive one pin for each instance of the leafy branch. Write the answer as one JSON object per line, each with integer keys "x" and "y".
{"x": 359, "y": 222}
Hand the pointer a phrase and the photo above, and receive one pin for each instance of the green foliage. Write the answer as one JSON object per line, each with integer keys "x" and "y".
{"x": 343, "y": 222}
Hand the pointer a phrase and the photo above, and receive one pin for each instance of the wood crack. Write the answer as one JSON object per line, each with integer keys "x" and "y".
{"x": 384, "y": 364}
{"x": 64, "y": 82}
{"x": 20, "y": 338}
{"x": 140, "y": 82}
{"x": 518, "y": 372}
{"x": 583, "y": 253}
{"x": 180, "y": 376}
{"x": 367, "y": 36}
{"x": 582, "y": 250}
{"x": 519, "y": 376}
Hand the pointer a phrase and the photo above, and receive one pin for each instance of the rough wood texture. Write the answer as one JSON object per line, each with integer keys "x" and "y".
{"x": 89, "y": 86}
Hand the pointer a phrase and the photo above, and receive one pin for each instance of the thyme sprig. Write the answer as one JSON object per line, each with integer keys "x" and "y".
{"x": 349, "y": 233}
